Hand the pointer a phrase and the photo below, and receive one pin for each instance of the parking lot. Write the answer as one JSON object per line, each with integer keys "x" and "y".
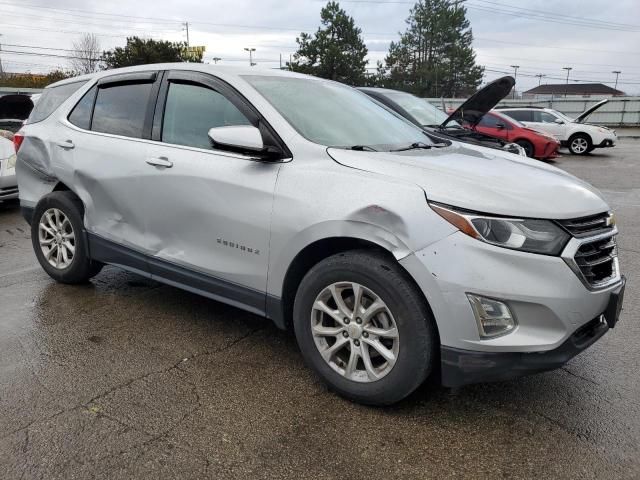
{"x": 125, "y": 378}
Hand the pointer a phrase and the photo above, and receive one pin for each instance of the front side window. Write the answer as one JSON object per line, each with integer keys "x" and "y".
{"x": 121, "y": 109}
{"x": 335, "y": 115}
{"x": 544, "y": 117}
{"x": 51, "y": 99}
{"x": 191, "y": 110}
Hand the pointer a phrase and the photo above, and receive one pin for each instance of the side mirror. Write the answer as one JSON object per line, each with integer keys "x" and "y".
{"x": 242, "y": 137}
{"x": 558, "y": 121}
{"x": 499, "y": 126}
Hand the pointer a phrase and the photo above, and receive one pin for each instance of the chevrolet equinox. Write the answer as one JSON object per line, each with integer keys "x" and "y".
{"x": 393, "y": 256}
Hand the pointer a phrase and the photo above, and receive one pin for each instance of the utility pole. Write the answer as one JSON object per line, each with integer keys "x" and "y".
{"x": 250, "y": 50}
{"x": 617, "y": 72}
{"x": 568, "y": 69}
{"x": 216, "y": 60}
{"x": 186, "y": 27}
{"x": 515, "y": 77}
{"x": 540, "y": 75}
{"x": 1, "y": 71}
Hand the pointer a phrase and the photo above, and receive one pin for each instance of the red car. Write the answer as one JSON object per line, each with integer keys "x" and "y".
{"x": 537, "y": 144}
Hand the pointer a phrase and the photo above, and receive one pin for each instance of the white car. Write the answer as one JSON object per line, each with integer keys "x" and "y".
{"x": 579, "y": 137}
{"x": 8, "y": 183}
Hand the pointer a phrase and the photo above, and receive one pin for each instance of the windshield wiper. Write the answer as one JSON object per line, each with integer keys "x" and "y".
{"x": 414, "y": 146}
{"x": 362, "y": 148}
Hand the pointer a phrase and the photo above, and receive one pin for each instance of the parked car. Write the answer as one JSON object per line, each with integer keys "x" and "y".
{"x": 579, "y": 137}
{"x": 536, "y": 144}
{"x": 446, "y": 127}
{"x": 8, "y": 183}
{"x": 391, "y": 256}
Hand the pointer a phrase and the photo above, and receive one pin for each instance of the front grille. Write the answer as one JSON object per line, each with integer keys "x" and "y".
{"x": 588, "y": 226}
{"x": 597, "y": 260}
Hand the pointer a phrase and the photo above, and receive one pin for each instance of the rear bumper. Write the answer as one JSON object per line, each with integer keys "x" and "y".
{"x": 463, "y": 367}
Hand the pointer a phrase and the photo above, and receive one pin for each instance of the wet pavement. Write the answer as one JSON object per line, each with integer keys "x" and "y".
{"x": 126, "y": 378}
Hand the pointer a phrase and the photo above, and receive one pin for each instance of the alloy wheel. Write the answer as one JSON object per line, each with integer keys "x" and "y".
{"x": 355, "y": 332}
{"x": 579, "y": 145}
{"x": 57, "y": 238}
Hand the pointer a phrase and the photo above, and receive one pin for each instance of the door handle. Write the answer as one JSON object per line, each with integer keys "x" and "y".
{"x": 160, "y": 162}
{"x": 67, "y": 145}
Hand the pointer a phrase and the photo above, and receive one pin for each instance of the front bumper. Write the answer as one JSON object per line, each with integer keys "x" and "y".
{"x": 463, "y": 367}
{"x": 548, "y": 299}
{"x": 606, "y": 143}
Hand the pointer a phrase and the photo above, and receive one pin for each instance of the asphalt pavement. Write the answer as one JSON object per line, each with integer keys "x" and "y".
{"x": 126, "y": 378}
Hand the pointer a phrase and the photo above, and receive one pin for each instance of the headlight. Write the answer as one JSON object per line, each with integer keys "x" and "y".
{"x": 11, "y": 163}
{"x": 528, "y": 235}
{"x": 515, "y": 148}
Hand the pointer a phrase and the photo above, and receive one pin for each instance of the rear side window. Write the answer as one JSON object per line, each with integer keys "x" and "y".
{"x": 121, "y": 109}
{"x": 544, "y": 117}
{"x": 81, "y": 114}
{"x": 51, "y": 99}
{"x": 191, "y": 110}
{"x": 520, "y": 115}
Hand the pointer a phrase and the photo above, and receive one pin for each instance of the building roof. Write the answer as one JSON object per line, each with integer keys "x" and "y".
{"x": 574, "y": 89}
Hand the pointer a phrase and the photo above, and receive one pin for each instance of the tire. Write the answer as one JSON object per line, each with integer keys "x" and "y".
{"x": 415, "y": 349}
{"x": 62, "y": 236}
{"x": 528, "y": 147}
{"x": 580, "y": 144}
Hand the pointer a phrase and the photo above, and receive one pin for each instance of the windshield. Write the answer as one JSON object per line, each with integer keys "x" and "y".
{"x": 420, "y": 109}
{"x": 335, "y": 115}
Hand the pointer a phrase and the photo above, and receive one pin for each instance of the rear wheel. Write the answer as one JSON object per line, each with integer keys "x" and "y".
{"x": 528, "y": 147}
{"x": 580, "y": 144}
{"x": 59, "y": 241}
{"x": 363, "y": 326}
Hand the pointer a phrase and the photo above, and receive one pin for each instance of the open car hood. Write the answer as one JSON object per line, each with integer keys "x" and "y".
{"x": 472, "y": 111}
{"x": 583, "y": 116}
{"x": 15, "y": 107}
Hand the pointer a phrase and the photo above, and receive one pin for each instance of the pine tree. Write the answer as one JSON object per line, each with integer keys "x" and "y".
{"x": 336, "y": 51}
{"x": 434, "y": 56}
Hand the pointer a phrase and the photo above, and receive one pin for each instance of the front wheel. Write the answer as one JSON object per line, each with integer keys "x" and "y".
{"x": 364, "y": 327}
{"x": 58, "y": 238}
{"x": 580, "y": 144}
{"x": 527, "y": 146}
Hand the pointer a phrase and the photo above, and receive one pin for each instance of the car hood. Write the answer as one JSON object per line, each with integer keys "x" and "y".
{"x": 484, "y": 180}
{"x": 472, "y": 111}
{"x": 583, "y": 116}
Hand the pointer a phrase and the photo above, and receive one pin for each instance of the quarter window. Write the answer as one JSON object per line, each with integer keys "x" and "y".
{"x": 81, "y": 114}
{"x": 191, "y": 110}
{"x": 121, "y": 109}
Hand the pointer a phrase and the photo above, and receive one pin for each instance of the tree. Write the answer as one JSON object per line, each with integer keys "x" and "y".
{"x": 86, "y": 53}
{"x": 29, "y": 80}
{"x": 434, "y": 56}
{"x": 139, "y": 51}
{"x": 336, "y": 51}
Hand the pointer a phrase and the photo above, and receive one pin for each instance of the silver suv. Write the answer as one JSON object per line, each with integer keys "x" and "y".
{"x": 393, "y": 257}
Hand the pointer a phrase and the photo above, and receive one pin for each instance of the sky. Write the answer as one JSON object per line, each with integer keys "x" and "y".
{"x": 593, "y": 37}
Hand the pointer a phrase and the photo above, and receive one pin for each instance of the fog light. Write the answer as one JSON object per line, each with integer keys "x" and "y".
{"x": 494, "y": 318}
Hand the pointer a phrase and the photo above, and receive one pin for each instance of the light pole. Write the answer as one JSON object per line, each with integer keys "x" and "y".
{"x": 540, "y": 75}
{"x": 216, "y": 60}
{"x": 617, "y": 72}
{"x": 568, "y": 69}
{"x": 515, "y": 77}
{"x": 1, "y": 71}
{"x": 250, "y": 50}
